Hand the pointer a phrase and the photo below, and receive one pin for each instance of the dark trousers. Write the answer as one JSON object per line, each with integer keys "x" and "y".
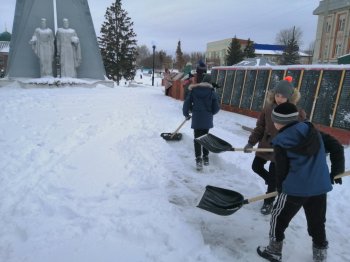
{"x": 258, "y": 167}
{"x": 197, "y": 147}
{"x": 286, "y": 207}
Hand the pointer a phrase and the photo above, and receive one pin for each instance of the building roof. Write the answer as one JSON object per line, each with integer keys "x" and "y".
{"x": 277, "y": 53}
{"x": 269, "y": 47}
{"x": 331, "y": 5}
{"x": 4, "y": 46}
{"x": 256, "y": 61}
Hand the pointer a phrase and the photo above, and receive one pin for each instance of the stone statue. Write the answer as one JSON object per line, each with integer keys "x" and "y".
{"x": 43, "y": 45}
{"x": 68, "y": 50}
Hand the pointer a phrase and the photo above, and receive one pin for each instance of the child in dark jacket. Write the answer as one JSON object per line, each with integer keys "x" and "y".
{"x": 203, "y": 102}
{"x": 302, "y": 180}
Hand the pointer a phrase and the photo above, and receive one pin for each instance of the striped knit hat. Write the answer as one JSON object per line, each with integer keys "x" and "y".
{"x": 285, "y": 114}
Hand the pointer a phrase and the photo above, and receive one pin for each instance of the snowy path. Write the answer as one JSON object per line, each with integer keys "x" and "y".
{"x": 85, "y": 176}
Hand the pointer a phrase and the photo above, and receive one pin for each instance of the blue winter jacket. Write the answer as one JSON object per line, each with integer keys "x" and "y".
{"x": 301, "y": 166}
{"x": 202, "y": 101}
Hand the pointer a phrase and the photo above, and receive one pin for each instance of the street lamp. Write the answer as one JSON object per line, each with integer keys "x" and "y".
{"x": 154, "y": 48}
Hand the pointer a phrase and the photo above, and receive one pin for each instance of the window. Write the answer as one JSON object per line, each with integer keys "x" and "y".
{"x": 341, "y": 24}
{"x": 338, "y": 49}
{"x": 325, "y": 52}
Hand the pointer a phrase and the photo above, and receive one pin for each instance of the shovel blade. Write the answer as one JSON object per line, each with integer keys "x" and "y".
{"x": 171, "y": 136}
{"x": 213, "y": 143}
{"x": 220, "y": 201}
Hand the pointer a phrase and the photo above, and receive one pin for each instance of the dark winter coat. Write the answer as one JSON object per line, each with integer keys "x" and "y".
{"x": 336, "y": 154}
{"x": 202, "y": 101}
{"x": 301, "y": 165}
{"x": 265, "y": 130}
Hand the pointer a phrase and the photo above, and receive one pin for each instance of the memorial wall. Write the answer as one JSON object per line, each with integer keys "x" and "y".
{"x": 325, "y": 90}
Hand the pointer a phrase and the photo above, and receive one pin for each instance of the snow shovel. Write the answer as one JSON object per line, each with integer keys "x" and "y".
{"x": 225, "y": 202}
{"x": 217, "y": 145}
{"x": 175, "y": 136}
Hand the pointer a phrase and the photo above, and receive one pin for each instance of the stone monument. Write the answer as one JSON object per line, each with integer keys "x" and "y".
{"x": 43, "y": 46}
{"x": 23, "y": 62}
{"x": 68, "y": 50}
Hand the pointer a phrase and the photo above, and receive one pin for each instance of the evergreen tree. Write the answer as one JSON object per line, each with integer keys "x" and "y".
{"x": 118, "y": 44}
{"x": 234, "y": 53}
{"x": 180, "y": 61}
{"x": 290, "y": 54}
{"x": 249, "y": 50}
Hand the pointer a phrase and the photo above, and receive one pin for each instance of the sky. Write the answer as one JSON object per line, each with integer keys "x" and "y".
{"x": 86, "y": 176}
{"x": 195, "y": 23}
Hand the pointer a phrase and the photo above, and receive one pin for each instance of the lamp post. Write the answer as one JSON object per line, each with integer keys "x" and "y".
{"x": 154, "y": 48}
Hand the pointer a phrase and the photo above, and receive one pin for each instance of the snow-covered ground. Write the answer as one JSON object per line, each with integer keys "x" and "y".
{"x": 86, "y": 177}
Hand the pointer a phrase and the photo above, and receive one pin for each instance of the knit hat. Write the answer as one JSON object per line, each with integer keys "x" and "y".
{"x": 201, "y": 63}
{"x": 284, "y": 88}
{"x": 285, "y": 114}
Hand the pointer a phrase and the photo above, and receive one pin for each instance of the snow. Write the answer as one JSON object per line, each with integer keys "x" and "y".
{"x": 85, "y": 176}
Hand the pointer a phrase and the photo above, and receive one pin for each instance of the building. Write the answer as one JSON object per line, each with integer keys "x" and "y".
{"x": 333, "y": 31}
{"x": 5, "y": 38}
{"x": 216, "y": 52}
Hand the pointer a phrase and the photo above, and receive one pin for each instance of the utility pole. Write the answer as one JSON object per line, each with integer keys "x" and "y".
{"x": 154, "y": 48}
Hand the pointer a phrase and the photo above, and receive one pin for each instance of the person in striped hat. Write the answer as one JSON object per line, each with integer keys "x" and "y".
{"x": 265, "y": 131}
{"x": 302, "y": 180}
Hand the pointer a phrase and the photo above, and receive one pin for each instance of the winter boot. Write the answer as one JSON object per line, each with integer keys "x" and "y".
{"x": 319, "y": 254}
{"x": 266, "y": 208}
{"x": 206, "y": 160}
{"x": 273, "y": 252}
{"x": 199, "y": 163}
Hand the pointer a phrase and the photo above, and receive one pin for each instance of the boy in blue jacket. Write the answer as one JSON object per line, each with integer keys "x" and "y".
{"x": 203, "y": 102}
{"x": 303, "y": 180}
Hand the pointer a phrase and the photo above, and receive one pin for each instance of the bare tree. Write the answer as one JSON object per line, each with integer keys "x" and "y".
{"x": 285, "y": 35}
{"x": 310, "y": 51}
{"x": 213, "y": 61}
{"x": 142, "y": 53}
{"x": 196, "y": 56}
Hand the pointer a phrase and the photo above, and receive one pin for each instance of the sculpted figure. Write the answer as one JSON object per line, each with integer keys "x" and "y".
{"x": 43, "y": 46}
{"x": 68, "y": 50}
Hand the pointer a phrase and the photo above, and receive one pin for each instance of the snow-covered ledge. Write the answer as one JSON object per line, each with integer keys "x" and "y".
{"x": 52, "y": 82}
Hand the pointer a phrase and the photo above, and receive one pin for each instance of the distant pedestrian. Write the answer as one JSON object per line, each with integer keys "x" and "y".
{"x": 168, "y": 82}
{"x": 201, "y": 70}
{"x": 202, "y": 101}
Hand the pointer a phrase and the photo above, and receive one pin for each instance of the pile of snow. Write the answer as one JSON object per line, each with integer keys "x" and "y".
{"x": 85, "y": 176}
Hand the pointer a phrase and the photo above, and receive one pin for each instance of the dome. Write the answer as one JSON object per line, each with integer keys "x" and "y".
{"x": 5, "y": 36}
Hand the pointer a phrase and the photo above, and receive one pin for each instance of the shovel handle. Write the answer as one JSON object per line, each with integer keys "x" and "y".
{"x": 261, "y": 197}
{"x": 174, "y": 133}
{"x": 253, "y": 149}
{"x": 273, "y": 194}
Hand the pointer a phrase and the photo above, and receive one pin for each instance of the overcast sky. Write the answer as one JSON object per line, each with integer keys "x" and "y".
{"x": 197, "y": 22}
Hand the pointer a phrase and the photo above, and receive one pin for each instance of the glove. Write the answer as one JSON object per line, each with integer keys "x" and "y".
{"x": 247, "y": 147}
{"x": 337, "y": 180}
{"x": 188, "y": 117}
{"x": 215, "y": 85}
